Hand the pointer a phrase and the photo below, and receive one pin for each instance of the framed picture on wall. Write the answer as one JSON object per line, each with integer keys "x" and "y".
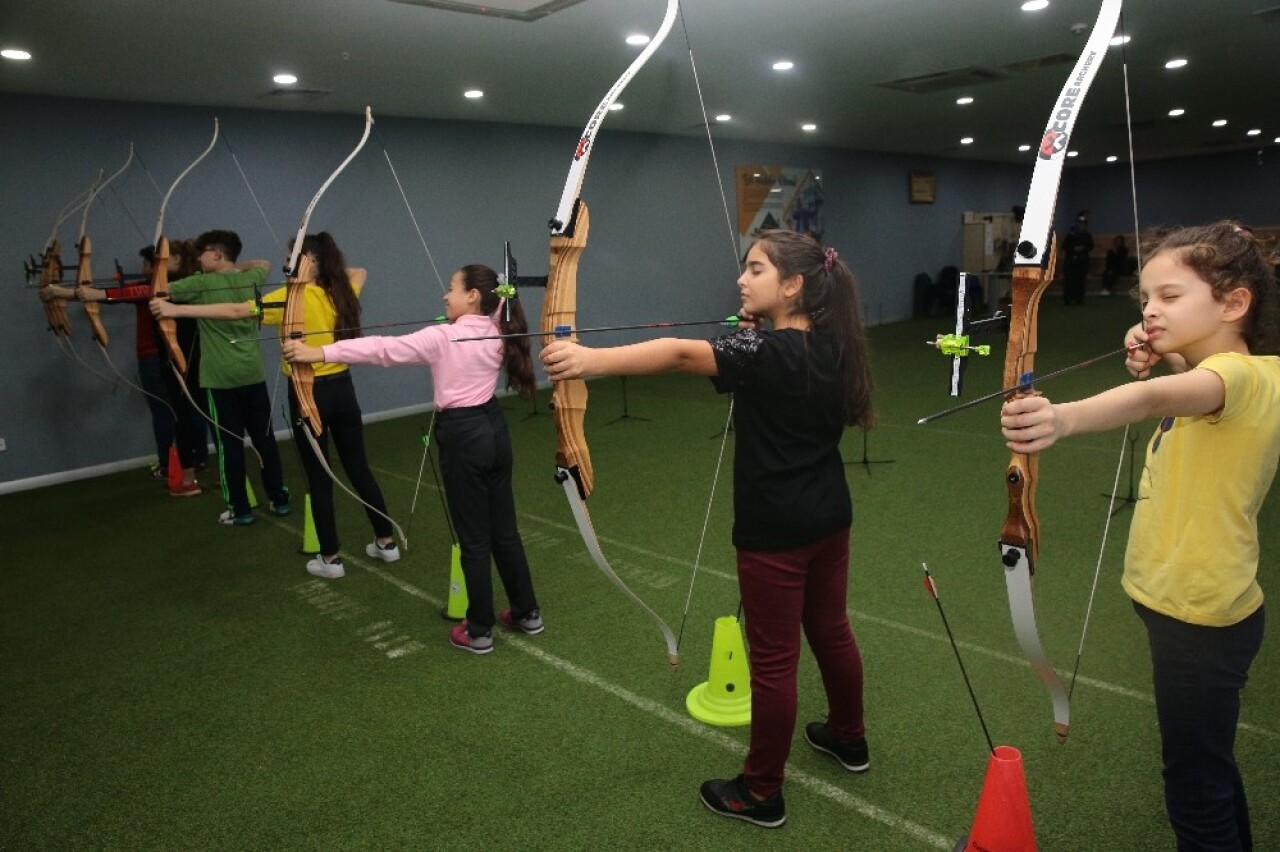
{"x": 922, "y": 187}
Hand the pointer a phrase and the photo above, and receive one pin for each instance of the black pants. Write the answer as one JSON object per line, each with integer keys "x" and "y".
{"x": 1073, "y": 283}
{"x": 1198, "y": 673}
{"x": 190, "y": 429}
{"x": 339, "y": 409}
{"x": 245, "y": 410}
{"x": 476, "y": 462}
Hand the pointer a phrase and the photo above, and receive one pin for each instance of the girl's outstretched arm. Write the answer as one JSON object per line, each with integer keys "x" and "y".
{"x": 565, "y": 359}
{"x": 1033, "y": 423}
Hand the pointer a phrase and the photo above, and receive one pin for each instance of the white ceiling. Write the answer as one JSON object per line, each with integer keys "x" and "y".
{"x": 413, "y": 60}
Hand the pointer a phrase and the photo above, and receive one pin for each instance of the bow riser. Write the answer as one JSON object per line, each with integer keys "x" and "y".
{"x": 559, "y": 309}
{"x": 160, "y": 290}
{"x": 302, "y": 377}
{"x": 55, "y": 310}
{"x": 84, "y": 277}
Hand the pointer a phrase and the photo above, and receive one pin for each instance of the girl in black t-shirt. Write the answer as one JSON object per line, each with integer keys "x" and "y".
{"x": 796, "y": 385}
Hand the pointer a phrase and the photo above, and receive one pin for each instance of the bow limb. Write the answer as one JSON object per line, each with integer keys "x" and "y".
{"x": 1036, "y": 256}
{"x": 300, "y": 271}
{"x": 160, "y": 290}
{"x": 84, "y": 276}
{"x": 160, "y": 276}
{"x": 84, "y": 273}
{"x": 55, "y": 310}
{"x": 569, "y": 227}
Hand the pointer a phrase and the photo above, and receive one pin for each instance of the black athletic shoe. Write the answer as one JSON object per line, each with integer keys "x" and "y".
{"x": 852, "y": 756}
{"x": 730, "y": 798}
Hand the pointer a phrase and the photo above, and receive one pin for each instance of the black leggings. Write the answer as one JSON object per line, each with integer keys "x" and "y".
{"x": 339, "y": 409}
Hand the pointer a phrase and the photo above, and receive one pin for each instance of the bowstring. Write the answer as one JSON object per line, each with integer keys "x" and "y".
{"x": 1124, "y": 439}
{"x": 426, "y": 449}
{"x": 733, "y": 249}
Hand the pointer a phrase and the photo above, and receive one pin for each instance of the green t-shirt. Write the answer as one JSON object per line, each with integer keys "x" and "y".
{"x": 224, "y": 364}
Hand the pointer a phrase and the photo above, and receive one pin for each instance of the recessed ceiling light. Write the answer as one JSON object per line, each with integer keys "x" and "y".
{"x": 1221, "y": 122}
{"x": 1112, "y": 158}
{"x": 1174, "y": 113}
{"x": 1254, "y": 132}
{"x": 473, "y": 94}
{"x": 1175, "y": 63}
{"x": 285, "y": 79}
{"x": 1024, "y": 148}
{"x": 1035, "y": 5}
{"x": 775, "y": 189}
{"x": 638, "y": 39}
{"x": 808, "y": 128}
{"x": 1073, "y": 153}
{"x": 15, "y": 54}
{"x": 724, "y": 116}
{"x": 615, "y": 106}
{"x": 783, "y": 65}
{"x": 1116, "y": 41}
{"x": 965, "y": 101}
{"x": 967, "y": 140}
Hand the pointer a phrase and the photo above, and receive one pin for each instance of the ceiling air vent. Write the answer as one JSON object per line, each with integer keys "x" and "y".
{"x": 292, "y": 93}
{"x": 1039, "y": 62}
{"x": 514, "y": 10}
{"x": 941, "y": 81}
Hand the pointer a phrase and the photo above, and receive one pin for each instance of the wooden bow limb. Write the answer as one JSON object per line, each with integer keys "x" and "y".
{"x": 301, "y": 271}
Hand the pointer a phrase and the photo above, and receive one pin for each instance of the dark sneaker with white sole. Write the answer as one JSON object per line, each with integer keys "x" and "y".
{"x": 853, "y": 756}
{"x": 730, "y": 797}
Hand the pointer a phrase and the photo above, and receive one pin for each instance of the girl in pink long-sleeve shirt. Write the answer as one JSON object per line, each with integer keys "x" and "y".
{"x": 475, "y": 447}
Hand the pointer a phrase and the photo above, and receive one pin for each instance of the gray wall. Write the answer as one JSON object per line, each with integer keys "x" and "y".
{"x": 659, "y": 247}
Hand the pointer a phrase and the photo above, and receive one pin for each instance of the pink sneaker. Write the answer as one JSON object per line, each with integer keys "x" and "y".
{"x": 460, "y": 638}
{"x": 192, "y": 490}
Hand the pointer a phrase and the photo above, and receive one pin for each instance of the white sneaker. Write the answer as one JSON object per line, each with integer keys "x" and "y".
{"x": 330, "y": 570}
{"x": 388, "y": 553}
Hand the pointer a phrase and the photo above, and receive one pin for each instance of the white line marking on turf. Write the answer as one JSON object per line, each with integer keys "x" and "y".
{"x": 1021, "y": 662}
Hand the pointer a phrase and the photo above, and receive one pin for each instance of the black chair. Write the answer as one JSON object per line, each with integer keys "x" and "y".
{"x": 948, "y": 288}
{"x": 922, "y": 296}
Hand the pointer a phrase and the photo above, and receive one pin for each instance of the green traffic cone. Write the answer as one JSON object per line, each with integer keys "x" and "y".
{"x": 310, "y": 543}
{"x": 725, "y": 698}
{"x": 457, "y": 608}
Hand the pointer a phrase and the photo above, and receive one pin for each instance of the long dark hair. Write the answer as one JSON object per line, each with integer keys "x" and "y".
{"x": 331, "y": 275}
{"x": 830, "y": 297}
{"x": 516, "y": 359}
{"x": 1227, "y": 255}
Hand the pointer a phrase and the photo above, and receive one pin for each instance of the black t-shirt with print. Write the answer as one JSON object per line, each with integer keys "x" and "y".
{"x": 789, "y": 481}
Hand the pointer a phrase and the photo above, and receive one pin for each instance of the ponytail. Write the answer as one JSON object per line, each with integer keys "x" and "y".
{"x": 516, "y": 360}
{"x": 830, "y": 298}
{"x": 331, "y": 275}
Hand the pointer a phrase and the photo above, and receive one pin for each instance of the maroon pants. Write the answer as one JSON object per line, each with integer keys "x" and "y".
{"x": 782, "y": 591}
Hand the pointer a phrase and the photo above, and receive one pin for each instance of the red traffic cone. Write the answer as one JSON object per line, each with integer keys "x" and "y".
{"x": 174, "y": 469}
{"x": 1003, "y": 820}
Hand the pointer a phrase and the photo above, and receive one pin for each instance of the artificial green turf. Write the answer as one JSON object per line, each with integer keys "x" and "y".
{"x": 166, "y": 682}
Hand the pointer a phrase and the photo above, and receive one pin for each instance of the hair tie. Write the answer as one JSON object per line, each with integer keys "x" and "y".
{"x": 829, "y": 259}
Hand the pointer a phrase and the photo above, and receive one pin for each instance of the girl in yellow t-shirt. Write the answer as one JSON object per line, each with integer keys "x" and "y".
{"x": 1208, "y": 303}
